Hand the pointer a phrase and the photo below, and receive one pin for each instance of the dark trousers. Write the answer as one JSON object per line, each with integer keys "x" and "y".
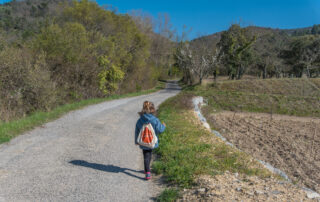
{"x": 147, "y": 159}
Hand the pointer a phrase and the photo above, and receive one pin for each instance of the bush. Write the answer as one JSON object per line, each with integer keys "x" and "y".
{"x": 168, "y": 195}
{"x": 64, "y": 59}
{"x": 25, "y": 84}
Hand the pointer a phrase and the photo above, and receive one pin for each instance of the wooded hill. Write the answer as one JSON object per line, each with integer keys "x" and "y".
{"x": 59, "y": 51}
{"x": 259, "y": 51}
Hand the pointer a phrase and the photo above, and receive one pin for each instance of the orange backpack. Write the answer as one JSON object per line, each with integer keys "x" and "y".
{"x": 147, "y": 137}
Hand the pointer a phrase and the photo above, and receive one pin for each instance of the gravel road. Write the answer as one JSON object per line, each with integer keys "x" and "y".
{"x": 87, "y": 155}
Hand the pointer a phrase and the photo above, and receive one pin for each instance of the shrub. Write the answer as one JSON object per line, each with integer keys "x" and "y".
{"x": 25, "y": 84}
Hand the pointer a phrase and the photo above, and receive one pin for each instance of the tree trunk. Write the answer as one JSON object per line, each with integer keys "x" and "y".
{"x": 308, "y": 72}
{"x": 215, "y": 74}
{"x": 264, "y": 76}
{"x": 238, "y": 72}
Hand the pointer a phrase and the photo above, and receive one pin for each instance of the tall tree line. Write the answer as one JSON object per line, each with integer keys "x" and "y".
{"x": 57, "y": 51}
{"x": 260, "y": 52}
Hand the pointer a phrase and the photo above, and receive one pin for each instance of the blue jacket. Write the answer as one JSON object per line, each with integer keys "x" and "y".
{"x": 156, "y": 124}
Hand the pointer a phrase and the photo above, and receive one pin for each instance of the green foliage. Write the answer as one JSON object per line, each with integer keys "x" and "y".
{"x": 22, "y": 19}
{"x": 25, "y": 83}
{"x": 168, "y": 195}
{"x": 304, "y": 55}
{"x": 109, "y": 76}
{"x": 235, "y": 52}
{"x": 90, "y": 15}
{"x": 78, "y": 48}
{"x": 68, "y": 42}
{"x": 315, "y": 29}
{"x": 11, "y": 129}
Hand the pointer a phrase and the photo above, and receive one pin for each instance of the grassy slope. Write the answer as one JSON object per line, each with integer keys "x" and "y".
{"x": 12, "y": 129}
{"x": 294, "y": 87}
{"x": 300, "y": 97}
{"x": 187, "y": 149}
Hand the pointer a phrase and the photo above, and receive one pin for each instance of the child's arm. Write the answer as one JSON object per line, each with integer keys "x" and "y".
{"x": 160, "y": 127}
{"x": 136, "y": 134}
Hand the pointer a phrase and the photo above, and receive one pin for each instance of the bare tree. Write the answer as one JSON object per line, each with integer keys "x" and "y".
{"x": 197, "y": 60}
{"x": 183, "y": 59}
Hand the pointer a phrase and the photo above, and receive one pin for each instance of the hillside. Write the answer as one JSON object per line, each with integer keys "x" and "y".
{"x": 259, "y": 31}
{"x": 24, "y": 18}
{"x": 54, "y": 52}
{"x": 299, "y": 97}
{"x": 271, "y": 120}
{"x": 260, "y": 52}
{"x": 287, "y": 87}
{"x": 268, "y": 39}
{"x": 269, "y": 135}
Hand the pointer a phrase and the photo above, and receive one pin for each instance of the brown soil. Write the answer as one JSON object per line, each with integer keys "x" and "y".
{"x": 235, "y": 187}
{"x": 291, "y": 144}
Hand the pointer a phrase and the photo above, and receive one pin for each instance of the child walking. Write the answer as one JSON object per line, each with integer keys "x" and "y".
{"x": 147, "y": 115}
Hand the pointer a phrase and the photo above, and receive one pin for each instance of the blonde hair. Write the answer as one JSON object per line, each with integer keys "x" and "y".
{"x": 148, "y": 108}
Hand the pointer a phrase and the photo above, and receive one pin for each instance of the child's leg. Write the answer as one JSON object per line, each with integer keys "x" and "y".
{"x": 147, "y": 159}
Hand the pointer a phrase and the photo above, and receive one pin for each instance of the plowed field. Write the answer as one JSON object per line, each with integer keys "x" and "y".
{"x": 289, "y": 143}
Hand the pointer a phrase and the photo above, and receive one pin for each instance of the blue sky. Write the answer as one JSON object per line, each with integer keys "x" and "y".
{"x": 210, "y": 16}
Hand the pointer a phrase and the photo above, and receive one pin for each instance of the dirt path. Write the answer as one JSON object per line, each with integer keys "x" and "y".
{"x": 291, "y": 144}
{"x": 87, "y": 155}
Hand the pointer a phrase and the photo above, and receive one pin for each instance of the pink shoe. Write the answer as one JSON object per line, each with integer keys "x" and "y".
{"x": 148, "y": 176}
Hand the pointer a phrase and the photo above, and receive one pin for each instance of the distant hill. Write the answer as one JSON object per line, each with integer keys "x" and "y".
{"x": 20, "y": 14}
{"x": 213, "y": 39}
{"x": 298, "y": 31}
{"x": 268, "y": 45}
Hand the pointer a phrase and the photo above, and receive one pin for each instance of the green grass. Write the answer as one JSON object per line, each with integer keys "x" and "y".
{"x": 187, "y": 149}
{"x": 168, "y": 195}
{"x": 12, "y": 129}
{"x": 223, "y": 96}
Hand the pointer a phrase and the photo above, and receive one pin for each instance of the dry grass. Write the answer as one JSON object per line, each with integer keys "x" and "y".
{"x": 298, "y": 97}
{"x": 296, "y": 87}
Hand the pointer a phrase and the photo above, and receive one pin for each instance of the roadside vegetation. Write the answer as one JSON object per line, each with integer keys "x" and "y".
{"x": 58, "y": 56}
{"x": 11, "y": 129}
{"x": 188, "y": 150}
{"x": 59, "y": 52}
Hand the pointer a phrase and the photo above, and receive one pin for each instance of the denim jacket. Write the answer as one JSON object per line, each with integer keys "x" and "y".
{"x": 156, "y": 124}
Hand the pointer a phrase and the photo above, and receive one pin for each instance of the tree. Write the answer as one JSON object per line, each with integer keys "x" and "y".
{"x": 204, "y": 58}
{"x": 303, "y": 55}
{"x": 58, "y": 51}
{"x": 235, "y": 52}
{"x": 183, "y": 61}
{"x": 110, "y": 76}
{"x": 315, "y": 29}
{"x": 196, "y": 59}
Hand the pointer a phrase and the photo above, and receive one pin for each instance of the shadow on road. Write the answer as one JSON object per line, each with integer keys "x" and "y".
{"x": 106, "y": 168}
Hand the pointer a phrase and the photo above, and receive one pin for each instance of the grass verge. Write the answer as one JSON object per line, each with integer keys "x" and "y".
{"x": 187, "y": 149}
{"x": 12, "y": 129}
{"x": 226, "y": 99}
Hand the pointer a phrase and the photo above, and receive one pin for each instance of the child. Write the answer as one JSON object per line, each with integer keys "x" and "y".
{"x": 147, "y": 115}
